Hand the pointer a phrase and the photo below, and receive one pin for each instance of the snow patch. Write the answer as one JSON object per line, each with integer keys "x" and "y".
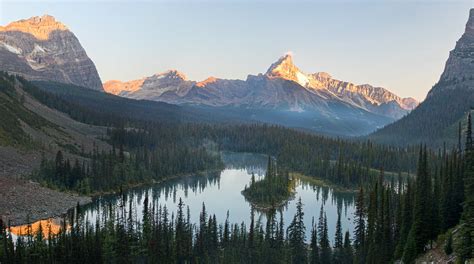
{"x": 38, "y": 48}
{"x": 302, "y": 79}
{"x": 12, "y": 49}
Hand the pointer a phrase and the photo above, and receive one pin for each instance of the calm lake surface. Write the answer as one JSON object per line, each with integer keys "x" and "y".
{"x": 221, "y": 193}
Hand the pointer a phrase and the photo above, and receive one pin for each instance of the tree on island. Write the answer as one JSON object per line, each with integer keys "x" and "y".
{"x": 272, "y": 191}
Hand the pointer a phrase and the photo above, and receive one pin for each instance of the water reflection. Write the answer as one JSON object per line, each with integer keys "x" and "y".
{"x": 221, "y": 193}
{"x": 48, "y": 227}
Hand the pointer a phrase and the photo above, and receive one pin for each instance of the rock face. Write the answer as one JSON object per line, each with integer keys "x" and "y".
{"x": 284, "y": 87}
{"x": 436, "y": 121}
{"x": 460, "y": 64}
{"x": 41, "y": 48}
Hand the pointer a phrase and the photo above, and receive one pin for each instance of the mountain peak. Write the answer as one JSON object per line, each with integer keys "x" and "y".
{"x": 459, "y": 67}
{"x": 172, "y": 74}
{"x": 38, "y": 26}
{"x": 284, "y": 68}
{"x": 206, "y": 82}
{"x": 470, "y": 21}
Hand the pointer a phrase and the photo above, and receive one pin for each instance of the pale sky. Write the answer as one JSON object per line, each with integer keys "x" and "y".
{"x": 400, "y": 45}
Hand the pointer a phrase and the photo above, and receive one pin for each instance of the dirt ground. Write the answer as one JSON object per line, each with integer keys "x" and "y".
{"x": 23, "y": 200}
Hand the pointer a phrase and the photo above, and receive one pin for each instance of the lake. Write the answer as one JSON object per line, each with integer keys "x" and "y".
{"x": 221, "y": 194}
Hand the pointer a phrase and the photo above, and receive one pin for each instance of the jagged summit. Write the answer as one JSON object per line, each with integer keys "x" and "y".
{"x": 470, "y": 21}
{"x": 282, "y": 67}
{"x": 308, "y": 91}
{"x": 172, "y": 74}
{"x": 38, "y": 26}
{"x": 285, "y": 68}
{"x": 459, "y": 69}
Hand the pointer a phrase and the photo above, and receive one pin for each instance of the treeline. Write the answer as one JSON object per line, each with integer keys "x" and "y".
{"x": 105, "y": 171}
{"x": 347, "y": 163}
{"x": 142, "y": 126}
{"x": 165, "y": 237}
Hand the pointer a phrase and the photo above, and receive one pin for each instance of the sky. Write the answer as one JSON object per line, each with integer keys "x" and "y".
{"x": 400, "y": 45}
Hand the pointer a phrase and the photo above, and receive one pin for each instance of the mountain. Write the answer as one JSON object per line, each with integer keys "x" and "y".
{"x": 151, "y": 87}
{"x": 314, "y": 100}
{"x": 283, "y": 86}
{"x": 41, "y": 48}
{"x": 436, "y": 121}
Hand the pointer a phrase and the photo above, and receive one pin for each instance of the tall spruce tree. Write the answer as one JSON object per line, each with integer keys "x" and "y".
{"x": 296, "y": 236}
{"x": 359, "y": 229}
{"x": 466, "y": 248}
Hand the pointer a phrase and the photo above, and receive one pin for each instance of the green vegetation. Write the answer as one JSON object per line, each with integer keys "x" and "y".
{"x": 163, "y": 238}
{"x": 272, "y": 191}
{"x": 397, "y": 220}
{"x": 13, "y": 113}
{"x": 105, "y": 171}
{"x": 465, "y": 249}
{"x": 435, "y": 121}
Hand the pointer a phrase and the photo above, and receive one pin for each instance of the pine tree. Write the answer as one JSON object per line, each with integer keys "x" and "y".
{"x": 466, "y": 248}
{"x": 359, "y": 229}
{"x": 314, "y": 256}
{"x": 324, "y": 245}
{"x": 296, "y": 236}
{"x": 338, "y": 254}
{"x": 421, "y": 227}
{"x": 348, "y": 251}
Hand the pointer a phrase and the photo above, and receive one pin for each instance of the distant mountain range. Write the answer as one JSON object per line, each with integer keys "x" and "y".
{"x": 436, "y": 121}
{"x": 43, "y": 49}
{"x": 282, "y": 87}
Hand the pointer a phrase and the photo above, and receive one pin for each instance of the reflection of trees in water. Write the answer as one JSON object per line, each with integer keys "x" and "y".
{"x": 342, "y": 200}
{"x": 194, "y": 184}
{"x": 252, "y": 163}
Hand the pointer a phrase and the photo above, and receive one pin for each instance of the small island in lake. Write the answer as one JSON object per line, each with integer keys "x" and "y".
{"x": 273, "y": 191}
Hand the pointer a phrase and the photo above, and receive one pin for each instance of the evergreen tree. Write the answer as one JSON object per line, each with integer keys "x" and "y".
{"x": 296, "y": 236}
{"x": 338, "y": 253}
{"x": 314, "y": 256}
{"x": 359, "y": 229}
{"x": 466, "y": 248}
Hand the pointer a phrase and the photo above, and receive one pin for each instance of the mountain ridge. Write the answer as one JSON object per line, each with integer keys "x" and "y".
{"x": 376, "y": 100}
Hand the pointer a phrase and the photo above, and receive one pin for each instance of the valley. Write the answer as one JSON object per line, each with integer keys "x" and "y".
{"x": 283, "y": 166}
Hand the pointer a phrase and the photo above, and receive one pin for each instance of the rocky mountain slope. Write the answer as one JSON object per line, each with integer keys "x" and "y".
{"x": 436, "y": 120}
{"x": 41, "y": 48}
{"x": 282, "y": 87}
{"x": 28, "y": 131}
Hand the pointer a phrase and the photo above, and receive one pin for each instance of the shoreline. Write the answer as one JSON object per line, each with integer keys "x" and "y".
{"x": 19, "y": 218}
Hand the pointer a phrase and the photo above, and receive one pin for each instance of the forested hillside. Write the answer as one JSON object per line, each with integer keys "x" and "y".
{"x": 14, "y": 115}
{"x": 435, "y": 122}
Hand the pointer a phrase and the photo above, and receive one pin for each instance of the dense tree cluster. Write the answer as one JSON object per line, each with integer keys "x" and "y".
{"x": 434, "y": 121}
{"x": 112, "y": 170}
{"x": 272, "y": 191}
{"x": 165, "y": 237}
{"x": 401, "y": 220}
